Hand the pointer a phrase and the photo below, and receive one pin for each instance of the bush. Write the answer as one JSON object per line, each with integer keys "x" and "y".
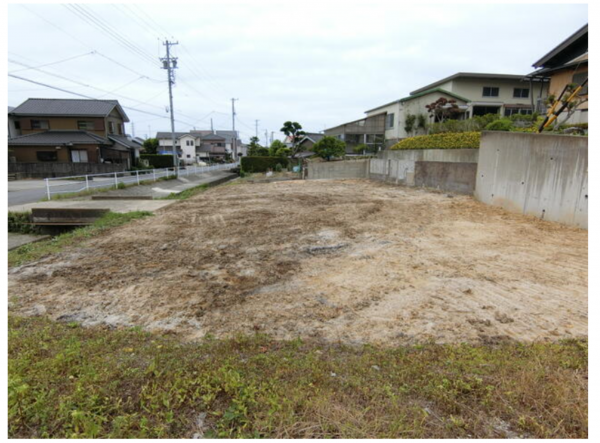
{"x": 504, "y": 124}
{"x": 158, "y": 161}
{"x": 449, "y": 140}
{"x": 329, "y": 147}
{"x": 262, "y": 164}
{"x": 278, "y": 167}
{"x": 19, "y": 222}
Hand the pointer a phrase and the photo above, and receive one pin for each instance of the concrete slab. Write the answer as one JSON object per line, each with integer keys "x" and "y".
{"x": 16, "y": 240}
{"x": 121, "y": 206}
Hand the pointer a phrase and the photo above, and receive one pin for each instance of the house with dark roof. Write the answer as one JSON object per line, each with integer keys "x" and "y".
{"x": 307, "y": 142}
{"x": 70, "y": 131}
{"x": 565, "y": 64}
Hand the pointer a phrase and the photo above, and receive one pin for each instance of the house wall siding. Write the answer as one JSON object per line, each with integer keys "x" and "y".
{"x": 62, "y": 124}
{"x": 28, "y": 154}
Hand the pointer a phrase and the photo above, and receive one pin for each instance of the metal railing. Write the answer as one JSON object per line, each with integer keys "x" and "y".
{"x": 119, "y": 179}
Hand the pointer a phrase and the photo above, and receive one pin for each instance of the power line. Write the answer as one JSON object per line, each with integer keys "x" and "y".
{"x": 101, "y": 21}
{"x": 80, "y": 83}
{"x": 83, "y": 14}
{"x": 78, "y": 40}
{"x": 89, "y": 97}
{"x": 57, "y": 62}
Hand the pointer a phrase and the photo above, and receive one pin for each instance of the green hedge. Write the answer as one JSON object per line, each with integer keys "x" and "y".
{"x": 447, "y": 140}
{"x": 262, "y": 164}
{"x": 158, "y": 160}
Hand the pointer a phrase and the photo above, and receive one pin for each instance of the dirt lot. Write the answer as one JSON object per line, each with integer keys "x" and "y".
{"x": 351, "y": 260}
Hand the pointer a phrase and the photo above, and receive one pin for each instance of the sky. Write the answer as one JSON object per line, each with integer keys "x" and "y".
{"x": 320, "y": 63}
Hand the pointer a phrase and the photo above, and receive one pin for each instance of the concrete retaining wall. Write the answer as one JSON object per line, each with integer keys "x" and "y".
{"x": 338, "y": 170}
{"x": 432, "y": 155}
{"x": 446, "y": 176}
{"x": 535, "y": 174}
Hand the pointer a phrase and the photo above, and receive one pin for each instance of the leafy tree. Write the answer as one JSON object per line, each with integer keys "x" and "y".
{"x": 294, "y": 131}
{"x": 329, "y": 147}
{"x": 363, "y": 148}
{"x": 255, "y": 149}
{"x": 442, "y": 109}
{"x": 279, "y": 149}
{"x": 150, "y": 146}
{"x": 409, "y": 123}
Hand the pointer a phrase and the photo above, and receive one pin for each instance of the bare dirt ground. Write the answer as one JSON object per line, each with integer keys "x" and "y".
{"x": 354, "y": 261}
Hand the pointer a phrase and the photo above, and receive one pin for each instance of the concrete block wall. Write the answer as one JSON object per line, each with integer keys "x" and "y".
{"x": 338, "y": 170}
{"x": 432, "y": 155}
{"x": 535, "y": 174}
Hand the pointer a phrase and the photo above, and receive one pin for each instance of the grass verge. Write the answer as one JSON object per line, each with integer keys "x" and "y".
{"x": 35, "y": 251}
{"x": 69, "y": 381}
{"x": 187, "y": 193}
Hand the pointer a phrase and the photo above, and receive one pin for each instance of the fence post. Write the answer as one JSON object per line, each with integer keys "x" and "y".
{"x": 154, "y": 174}
{"x": 48, "y": 188}
{"x": 87, "y": 183}
{"x": 116, "y": 181}
{"x": 137, "y": 173}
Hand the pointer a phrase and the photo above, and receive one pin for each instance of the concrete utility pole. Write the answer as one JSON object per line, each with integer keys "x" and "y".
{"x": 234, "y": 140}
{"x": 170, "y": 63}
{"x": 266, "y": 138}
{"x": 272, "y": 138}
{"x": 256, "y": 126}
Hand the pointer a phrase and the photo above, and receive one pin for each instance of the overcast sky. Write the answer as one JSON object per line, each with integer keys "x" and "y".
{"x": 318, "y": 63}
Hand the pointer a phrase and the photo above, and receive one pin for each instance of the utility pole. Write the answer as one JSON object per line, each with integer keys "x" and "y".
{"x": 211, "y": 126}
{"x": 272, "y": 132}
{"x": 170, "y": 63}
{"x": 256, "y": 126}
{"x": 266, "y": 138}
{"x": 234, "y": 140}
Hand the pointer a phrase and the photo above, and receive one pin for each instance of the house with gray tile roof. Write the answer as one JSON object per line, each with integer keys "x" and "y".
{"x": 70, "y": 131}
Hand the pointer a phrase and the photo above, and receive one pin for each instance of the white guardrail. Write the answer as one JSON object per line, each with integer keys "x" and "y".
{"x": 114, "y": 179}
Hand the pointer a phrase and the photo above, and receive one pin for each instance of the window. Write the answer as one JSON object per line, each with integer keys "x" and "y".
{"x": 85, "y": 125}
{"x": 483, "y": 110}
{"x": 490, "y": 91}
{"x": 189, "y": 156}
{"x": 17, "y": 124}
{"x": 579, "y": 79}
{"x": 120, "y": 126}
{"x": 512, "y": 111}
{"x": 79, "y": 156}
{"x": 389, "y": 121}
{"x": 47, "y": 156}
{"x": 40, "y": 124}
{"x": 111, "y": 127}
{"x": 521, "y": 93}
{"x": 189, "y": 142}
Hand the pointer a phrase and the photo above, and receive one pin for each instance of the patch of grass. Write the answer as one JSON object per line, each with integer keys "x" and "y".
{"x": 66, "y": 381}
{"x": 35, "y": 251}
{"x": 187, "y": 193}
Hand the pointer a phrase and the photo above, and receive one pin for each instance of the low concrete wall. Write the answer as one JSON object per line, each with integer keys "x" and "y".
{"x": 446, "y": 176}
{"x": 44, "y": 170}
{"x": 535, "y": 174}
{"x": 432, "y": 155}
{"x": 338, "y": 169}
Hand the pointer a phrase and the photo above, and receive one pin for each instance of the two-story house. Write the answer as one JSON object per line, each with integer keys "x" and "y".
{"x": 70, "y": 131}
{"x": 200, "y": 145}
{"x": 474, "y": 94}
{"x": 566, "y": 64}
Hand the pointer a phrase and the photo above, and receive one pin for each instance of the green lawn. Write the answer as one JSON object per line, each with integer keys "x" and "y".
{"x": 69, "y": 381}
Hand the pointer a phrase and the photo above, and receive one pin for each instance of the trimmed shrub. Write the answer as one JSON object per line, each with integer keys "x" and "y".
{"x": 447, "y": 140}
{"x": 262, "y": 164}
{"x": 158, "y": 161}
{"x": 504, "y": 124}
